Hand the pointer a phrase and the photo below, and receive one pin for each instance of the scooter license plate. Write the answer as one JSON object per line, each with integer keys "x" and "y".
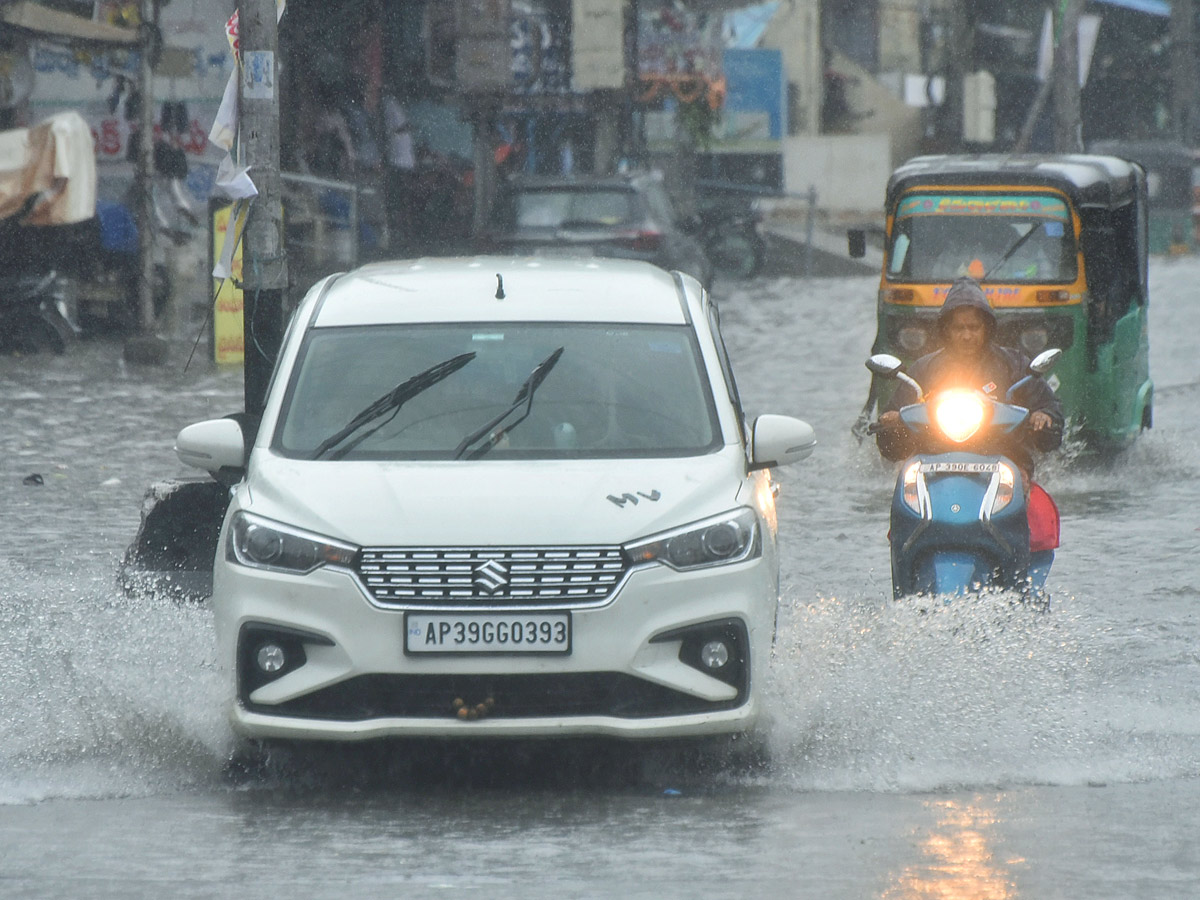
{"x": 966, "y": 468}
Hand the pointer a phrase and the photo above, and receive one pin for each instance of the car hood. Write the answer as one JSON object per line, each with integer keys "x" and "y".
{"x": 496, "y": 502}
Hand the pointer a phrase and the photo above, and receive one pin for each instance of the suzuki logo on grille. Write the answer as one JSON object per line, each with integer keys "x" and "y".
{"x": 490, "y": 576}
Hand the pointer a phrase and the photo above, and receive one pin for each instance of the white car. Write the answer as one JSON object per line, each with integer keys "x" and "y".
{"x": 498, "y": 497}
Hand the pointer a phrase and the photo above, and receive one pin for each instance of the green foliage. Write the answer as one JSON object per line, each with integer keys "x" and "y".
{"x": 698, "y": 120}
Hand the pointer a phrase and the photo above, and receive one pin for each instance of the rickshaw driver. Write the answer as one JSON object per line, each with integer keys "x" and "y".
{"x": 970, "y": 357}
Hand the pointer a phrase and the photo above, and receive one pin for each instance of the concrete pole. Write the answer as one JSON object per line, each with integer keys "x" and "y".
{"x": 144, "y": 172}
{"x": 1068, "y": 120}
{"x": 959, "y": 60}
{"x": 1183, "y": 70}
{"x": 264, "y": 262}
{"x": 483, "y": 121}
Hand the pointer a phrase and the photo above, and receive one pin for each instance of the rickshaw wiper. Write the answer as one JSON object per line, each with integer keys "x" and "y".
{"x": 1011, "y": 250}
{"x": 524, "y": 398}
{"x": 391, "y": 402}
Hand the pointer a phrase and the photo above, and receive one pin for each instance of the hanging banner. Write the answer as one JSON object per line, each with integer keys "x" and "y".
{"x": 229, "y": 348}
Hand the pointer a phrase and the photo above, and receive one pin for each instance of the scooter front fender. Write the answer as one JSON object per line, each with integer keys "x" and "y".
{"x": 950, "y": 573}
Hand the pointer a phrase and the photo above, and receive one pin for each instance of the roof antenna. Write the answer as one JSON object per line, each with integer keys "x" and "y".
{"x": 499, "y": 286}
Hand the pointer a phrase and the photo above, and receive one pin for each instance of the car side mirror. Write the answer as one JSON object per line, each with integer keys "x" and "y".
{"x": 779, "y": 441}
{"x": 856, "y": 239}
{"x": 216, "y": 445}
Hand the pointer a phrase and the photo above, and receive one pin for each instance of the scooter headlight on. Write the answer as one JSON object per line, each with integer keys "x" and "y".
{"x": 728, "y": 538}
{"x": 959, "y": 414}
{"x": 263, "y": 544}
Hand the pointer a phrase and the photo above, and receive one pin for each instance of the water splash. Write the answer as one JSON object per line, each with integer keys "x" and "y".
{"x": 926, "y": 696}
{"x": 102, "y": 695}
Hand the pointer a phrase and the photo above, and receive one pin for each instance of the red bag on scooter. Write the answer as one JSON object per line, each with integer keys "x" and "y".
{"x": 1043, "y": 520}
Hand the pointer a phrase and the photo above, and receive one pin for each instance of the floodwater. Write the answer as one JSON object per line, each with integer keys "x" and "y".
{"x": 964, "y": 752}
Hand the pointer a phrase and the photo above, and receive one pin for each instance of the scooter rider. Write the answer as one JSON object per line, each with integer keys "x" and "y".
{"x": 970, "y": 357}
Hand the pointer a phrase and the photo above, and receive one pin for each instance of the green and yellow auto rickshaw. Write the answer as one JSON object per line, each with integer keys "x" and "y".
{"x": 1059, "y": 244}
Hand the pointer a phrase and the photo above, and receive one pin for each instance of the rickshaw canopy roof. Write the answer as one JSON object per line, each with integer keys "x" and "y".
{"x": 1089, "y": 180}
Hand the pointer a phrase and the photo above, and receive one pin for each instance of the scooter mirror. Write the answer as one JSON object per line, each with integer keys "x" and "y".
{"x": 884, "y": 365}
{"x": 1045, "y": 361}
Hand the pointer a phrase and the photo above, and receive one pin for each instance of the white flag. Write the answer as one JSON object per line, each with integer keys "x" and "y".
{"x": 1045, "y": 60}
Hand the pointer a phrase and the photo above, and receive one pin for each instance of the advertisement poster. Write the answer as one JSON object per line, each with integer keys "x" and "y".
{"x": 754, "y": 118}
{"x": 228, "y": 341}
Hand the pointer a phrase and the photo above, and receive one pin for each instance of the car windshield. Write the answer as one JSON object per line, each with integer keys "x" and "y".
{"x": 940, "y": 237}
{"x": 547, "y": 208}
{"x": 613, "y": 391}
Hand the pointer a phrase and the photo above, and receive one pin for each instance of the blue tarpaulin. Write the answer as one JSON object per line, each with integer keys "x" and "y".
{"x": 1152, "y": 7}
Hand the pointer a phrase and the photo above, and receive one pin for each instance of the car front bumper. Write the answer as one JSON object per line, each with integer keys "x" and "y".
{"x": 633, "y": 669}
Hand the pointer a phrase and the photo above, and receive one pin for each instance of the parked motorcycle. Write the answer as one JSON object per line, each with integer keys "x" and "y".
{"x": 36, "y": 312}
{"x": 963, "y": 520}
{"x": 730, "y": 231}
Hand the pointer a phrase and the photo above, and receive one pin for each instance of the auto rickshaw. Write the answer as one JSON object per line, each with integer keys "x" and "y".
{"x": 1059, "y": 243}
{"x": 1169, "y": 177}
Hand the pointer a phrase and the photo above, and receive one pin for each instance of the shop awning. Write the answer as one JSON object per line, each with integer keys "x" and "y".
{"x": 52, "y": 24}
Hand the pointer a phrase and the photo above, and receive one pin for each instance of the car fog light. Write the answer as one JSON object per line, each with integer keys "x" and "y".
{"x": 270, "y": 658}
{"x": 714, "y": 654}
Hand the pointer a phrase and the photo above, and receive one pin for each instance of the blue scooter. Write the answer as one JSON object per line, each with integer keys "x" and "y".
{"x": 960, "y": 518}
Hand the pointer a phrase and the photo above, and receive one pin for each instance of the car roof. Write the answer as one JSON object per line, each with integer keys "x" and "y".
{"x": 464, "y": 289}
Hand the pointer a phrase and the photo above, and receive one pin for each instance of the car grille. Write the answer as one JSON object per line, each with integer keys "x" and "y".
{"x": 501, "y": 576}
{"x": 561, "y": 694}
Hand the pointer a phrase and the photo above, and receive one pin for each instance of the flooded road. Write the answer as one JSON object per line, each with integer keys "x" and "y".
{"x": 967, "y": 752}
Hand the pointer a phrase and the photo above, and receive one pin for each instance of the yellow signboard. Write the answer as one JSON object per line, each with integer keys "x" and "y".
{"x": 229, "y": 348}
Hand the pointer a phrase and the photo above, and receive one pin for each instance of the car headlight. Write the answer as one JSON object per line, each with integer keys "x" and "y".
{"x": 728, "y": 538}
{"x": 959, "y": 414}
{"x": 263, "y": 544}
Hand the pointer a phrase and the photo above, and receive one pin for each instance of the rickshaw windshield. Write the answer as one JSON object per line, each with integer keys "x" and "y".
{"x": 1013, "y": 238}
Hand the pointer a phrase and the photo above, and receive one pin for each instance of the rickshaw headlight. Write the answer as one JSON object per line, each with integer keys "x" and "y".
{"x": 1034, "y": 339}
{"x": 959, "y": 414}
{"x": 912, "y": 338}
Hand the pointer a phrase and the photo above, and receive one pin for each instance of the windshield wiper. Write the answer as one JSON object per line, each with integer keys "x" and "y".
{"x": 391, "y": 402}
{"x": 1013, "y": 249}
{"x": 524, "y": 399}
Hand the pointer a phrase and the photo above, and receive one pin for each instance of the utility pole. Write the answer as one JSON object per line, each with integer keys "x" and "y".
{"x": 144, "y": 348}
{"x": 264, "y": 262}
{"x": 960, "y": 55}
{"x": 1183, "y": 70}
{"x": 1068, "y": 119}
